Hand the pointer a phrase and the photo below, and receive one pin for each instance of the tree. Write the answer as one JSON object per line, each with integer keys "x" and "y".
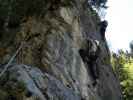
{"x": 122, "y": 65}
{"x": 98, "y": 3}
{"x": 13, "y": 11}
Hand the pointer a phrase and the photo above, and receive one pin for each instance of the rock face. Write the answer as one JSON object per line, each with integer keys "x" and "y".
{"x": 63, "y": 57}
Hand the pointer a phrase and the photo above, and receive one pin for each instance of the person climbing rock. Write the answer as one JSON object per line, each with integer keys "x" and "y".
{"x": 90, "y": 56}
{"x": 103, "y": 26}
{"x": 93, "y": 55}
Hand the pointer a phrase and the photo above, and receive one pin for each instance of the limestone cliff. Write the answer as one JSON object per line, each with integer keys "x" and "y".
{"x": 63, "y": 55}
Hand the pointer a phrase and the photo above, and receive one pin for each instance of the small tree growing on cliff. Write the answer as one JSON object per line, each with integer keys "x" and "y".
{"x": 99, "y": 3}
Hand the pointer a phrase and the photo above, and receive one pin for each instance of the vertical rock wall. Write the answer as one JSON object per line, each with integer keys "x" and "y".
{"x": 52, "y": 43}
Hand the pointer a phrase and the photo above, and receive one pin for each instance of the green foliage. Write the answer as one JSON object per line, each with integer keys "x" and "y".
{"x": 99, "y": 3}
{"x": 16, "y": 11}
{"x": 10, "y": 87}
{"x": 123, "y": 67}
{"x": 67, "y": 3}
{"x": 92, "y": 12}
{"x": 21, "y": 7}
{"x": 106, "y": 60}
{"x": 3, "y": 95}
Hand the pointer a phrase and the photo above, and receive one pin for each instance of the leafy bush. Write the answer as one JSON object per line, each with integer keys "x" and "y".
{"x": 123, "y": 67}
{"x": 98, "y": 3}
{"x": 14, "y": 10}
{"x": 11, "y": 88}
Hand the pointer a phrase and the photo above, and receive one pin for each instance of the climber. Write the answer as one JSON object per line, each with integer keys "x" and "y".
{"x": 90, "y": 56}
{"x": 93, "y": 54}
{"x": 103, "y": 26}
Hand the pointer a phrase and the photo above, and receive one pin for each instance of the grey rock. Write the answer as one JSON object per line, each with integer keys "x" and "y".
{"x": 43, "y": 85}
{"x": 50, "y": 64}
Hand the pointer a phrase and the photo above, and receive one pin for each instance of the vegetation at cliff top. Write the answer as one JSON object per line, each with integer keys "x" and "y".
{"x": 99, "y": 3}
